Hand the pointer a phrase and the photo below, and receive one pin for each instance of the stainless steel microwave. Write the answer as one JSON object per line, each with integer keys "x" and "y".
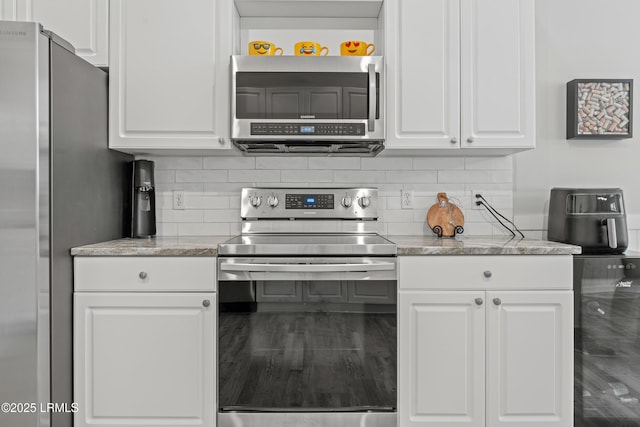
{"x": 321, "y": 105}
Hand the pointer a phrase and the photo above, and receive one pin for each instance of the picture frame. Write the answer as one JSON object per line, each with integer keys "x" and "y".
{"x": 600, "y": 109}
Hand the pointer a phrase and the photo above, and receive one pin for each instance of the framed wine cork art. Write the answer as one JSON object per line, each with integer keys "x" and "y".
{"x": 599, "y": 108}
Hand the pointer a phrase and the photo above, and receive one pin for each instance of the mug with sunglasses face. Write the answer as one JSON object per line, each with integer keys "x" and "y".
{"x": 264, "y": 48}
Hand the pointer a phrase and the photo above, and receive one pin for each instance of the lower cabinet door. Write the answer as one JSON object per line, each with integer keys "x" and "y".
{"x": 145, "y": 359}
{"x": 441, "y": 358}
{"x": 530, "y": 358}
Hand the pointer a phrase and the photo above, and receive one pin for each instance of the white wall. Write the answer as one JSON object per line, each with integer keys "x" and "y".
{"x": 212, "y": 188}
{"x": 579, "y": 39}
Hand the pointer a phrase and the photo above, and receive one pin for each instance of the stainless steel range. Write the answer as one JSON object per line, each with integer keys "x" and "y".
{"x": 307, "y": 312}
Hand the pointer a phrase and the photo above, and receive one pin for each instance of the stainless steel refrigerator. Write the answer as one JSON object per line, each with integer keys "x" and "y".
{"x": 60, "y": 187}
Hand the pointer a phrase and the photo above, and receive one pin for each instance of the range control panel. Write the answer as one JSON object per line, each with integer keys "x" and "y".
{"x": 309, "y": 203}
{"x": 302, "y": 129}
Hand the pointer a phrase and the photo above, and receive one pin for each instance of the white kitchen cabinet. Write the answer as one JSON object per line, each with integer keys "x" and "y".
{"x": 169, "y": 75}
{"x": 529, "y": 358}
{"x": 441, "y": 359}
{"x": 144, "y": 354}
{"x": 461, "y": 76}
{"x": 83, "y": 23}
{"x": 482, "y": 348}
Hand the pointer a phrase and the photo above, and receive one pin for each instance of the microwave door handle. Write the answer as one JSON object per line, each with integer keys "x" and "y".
{"x": 372, "y": 97}
{"x": 612, "y": 237}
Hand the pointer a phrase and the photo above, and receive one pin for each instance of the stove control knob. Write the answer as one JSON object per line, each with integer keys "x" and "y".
{"x": 364, "y": 202}
{"x": 272, "y": 201}
{"x": 255, "y": 201}
{"x": 346, "y": 201}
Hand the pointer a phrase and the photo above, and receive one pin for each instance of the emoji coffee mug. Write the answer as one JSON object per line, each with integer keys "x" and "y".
{"x": 261, "y": 47}
{"x": 310, "y": 49}
{"x": 356, "y": 48}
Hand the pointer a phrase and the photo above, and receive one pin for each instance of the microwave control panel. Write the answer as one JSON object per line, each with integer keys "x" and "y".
{"x": 302, "y": 129}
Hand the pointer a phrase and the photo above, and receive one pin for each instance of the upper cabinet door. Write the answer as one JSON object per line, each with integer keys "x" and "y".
{"x": 12, "y": 10}
{"x": 166, "y": 89}
{"x": 423, "y": 50}
{"x": 83, "y": 23}
{"x": 498, "y": 73}
{"x": 529, "y": 358}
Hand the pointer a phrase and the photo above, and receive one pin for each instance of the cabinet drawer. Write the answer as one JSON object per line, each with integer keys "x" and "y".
{"x": 140, "y": 274}
{"x": 476, "y": 272}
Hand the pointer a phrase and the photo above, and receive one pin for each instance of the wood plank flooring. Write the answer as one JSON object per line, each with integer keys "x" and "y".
{"x": 307, "y": 361}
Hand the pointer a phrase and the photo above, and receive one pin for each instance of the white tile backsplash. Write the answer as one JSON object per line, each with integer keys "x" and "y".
{"x": 202, "y": 175}
{"x": 212, "y": 188}
{"x": 438, "y": 163}
{"x": 284, "y": 163}
{"x": 310, "y": 176}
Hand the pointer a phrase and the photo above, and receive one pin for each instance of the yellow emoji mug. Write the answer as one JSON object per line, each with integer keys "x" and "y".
{"x": 310, "y": 49}
{"x": 356, "y": 48}
{"x": 264, "y": 48}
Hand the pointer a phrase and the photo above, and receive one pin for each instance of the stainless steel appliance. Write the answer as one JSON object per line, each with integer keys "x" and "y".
{"x": 307, "y": 312}
{"x": 321, "y": 105}
{"x": 593, "y": 218}
{"x": 607, "y": 340}
{"x": 143, "y": 213}
{"x": 60, "y": 187}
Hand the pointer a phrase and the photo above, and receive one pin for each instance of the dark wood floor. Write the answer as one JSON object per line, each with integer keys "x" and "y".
{"x": 316, "y": 361}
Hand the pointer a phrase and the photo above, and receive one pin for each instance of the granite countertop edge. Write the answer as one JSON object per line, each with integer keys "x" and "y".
{"x": 407, "y": 245}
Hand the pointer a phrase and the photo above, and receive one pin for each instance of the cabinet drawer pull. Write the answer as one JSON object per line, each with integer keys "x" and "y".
{"x": 479, "y": 301}
{"x": 497, "y": 301}
{"x": 142, "y": 275}
{"x": 206, "y": 303}
{"x": 487, "y": 274}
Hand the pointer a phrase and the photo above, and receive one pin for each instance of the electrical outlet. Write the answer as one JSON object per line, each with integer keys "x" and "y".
{"x": 475, "y": 199}
{"x": 178, "y": 199}
{"x": 406, "y": 199}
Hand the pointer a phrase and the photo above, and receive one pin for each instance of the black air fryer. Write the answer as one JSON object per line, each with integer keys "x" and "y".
{"x": 593, "y": 218}
{"x": 143, "y": 203}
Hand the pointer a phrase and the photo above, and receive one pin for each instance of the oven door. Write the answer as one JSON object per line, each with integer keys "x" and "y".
{"x": 307, "y": 335}
{"x": 303, "y": 98}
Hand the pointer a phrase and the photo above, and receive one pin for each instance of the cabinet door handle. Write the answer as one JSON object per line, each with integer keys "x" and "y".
{"x": 479, "y": 301}
{"x": 454, "y": 140}
{"x": 142, "y": 275}
{"x": 497, "y": 301}
{"x": 487, "y": 274}
{"x": 206, "y": 303}
{"x": 470, "y": 139}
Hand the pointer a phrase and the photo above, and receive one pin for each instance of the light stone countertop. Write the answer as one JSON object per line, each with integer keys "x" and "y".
{"x": 407, "y": 245}
{"x": 155, "y": 246}
{"x": 479, "y": 245}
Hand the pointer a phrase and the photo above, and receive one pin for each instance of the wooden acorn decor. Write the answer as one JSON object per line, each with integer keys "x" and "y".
{"x": 445, "y": 218}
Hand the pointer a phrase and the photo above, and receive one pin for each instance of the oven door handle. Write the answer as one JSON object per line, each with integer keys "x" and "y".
{"x": 298, "y": 268}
